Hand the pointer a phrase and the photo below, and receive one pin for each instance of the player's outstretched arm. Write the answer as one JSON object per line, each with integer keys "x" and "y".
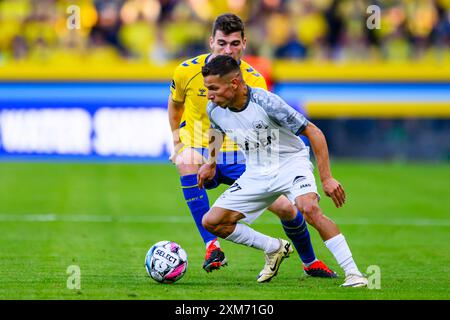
{"x": 175, "y": 111}
{"x": 331, "y": 186}
{"x": 208, "y": 170}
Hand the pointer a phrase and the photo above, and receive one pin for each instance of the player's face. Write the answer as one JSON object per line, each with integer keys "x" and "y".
{"x": 221, "y": 90}
{"x": 228, "y": 44}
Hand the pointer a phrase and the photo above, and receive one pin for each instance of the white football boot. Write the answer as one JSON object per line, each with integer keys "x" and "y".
{"x": 355, "y": 279}
{"x": 273, "y": 261}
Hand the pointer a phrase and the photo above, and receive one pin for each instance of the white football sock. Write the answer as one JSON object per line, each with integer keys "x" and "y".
{"x": 245, "y": 235}
{"x": 340, "y": 250}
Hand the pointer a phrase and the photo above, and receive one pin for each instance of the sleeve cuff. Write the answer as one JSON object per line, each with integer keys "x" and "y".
{"x": 300, "y": 130}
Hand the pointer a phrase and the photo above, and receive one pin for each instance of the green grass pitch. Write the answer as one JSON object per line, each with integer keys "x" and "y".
{"x": 104, "y": 217}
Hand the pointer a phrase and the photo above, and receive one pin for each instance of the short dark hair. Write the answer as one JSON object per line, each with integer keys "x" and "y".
{"x": 228, "y": 23}
{"x": 220, "y": 65}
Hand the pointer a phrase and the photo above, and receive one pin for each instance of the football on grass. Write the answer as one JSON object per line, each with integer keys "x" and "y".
{"x": 166, "y": 262}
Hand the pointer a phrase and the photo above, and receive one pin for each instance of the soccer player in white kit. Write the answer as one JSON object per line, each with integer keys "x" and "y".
{"x": 277, "y": 163}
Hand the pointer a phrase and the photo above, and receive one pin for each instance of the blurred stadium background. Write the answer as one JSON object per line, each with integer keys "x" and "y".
{"x": 98, "y": 93}
{"x": 101, "y": 90}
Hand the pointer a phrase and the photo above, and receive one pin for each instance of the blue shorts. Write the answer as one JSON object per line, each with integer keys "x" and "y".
{"x": 230, "y": 166}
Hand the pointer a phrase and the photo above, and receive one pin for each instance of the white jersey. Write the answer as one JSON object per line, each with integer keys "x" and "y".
{"x": 266, "y": 130}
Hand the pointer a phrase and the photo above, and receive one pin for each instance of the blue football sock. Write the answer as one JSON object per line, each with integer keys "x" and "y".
{"x": 198, "y": 203}
{"x": 297, "y": 231}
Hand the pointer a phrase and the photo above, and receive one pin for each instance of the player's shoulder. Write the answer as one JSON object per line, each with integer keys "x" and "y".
{"x": 260, "y": 95}
{"x": 249, "y": 71}
{"x": 210, "y": 107}
{"x": 252, "y": 76}
{"x": 192, "y": 64}
{"x": 267, "y": 100}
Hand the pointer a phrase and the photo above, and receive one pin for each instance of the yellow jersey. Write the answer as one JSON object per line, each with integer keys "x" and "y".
{"x": 187, "y": 87}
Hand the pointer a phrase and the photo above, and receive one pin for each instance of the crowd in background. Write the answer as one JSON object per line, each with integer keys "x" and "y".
{"x": 160, "y": 30}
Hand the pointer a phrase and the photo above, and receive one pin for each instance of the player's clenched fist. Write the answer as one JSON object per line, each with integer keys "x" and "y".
{"x": 205, "y": 173}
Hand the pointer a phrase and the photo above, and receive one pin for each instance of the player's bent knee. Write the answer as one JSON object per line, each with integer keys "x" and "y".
{"x": 207, "y": 222}
{"x": 283, "y": 208}
{"x": 313, "y": 214}
{"x": 316, "y": 217}
{"x": 213, "y": 220}
{"x": 287, "y": 210}
{"x": 188, "y": 162}
{"x": 221, "y": 222}
{"x": 306, "y": 202}
{"x": 186, "y": 169}
{"x": 310, "y": 209}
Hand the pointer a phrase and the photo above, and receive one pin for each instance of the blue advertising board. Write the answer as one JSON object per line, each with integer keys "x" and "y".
{"x": 129, "y": 121}
{"x": 84, "y": 120}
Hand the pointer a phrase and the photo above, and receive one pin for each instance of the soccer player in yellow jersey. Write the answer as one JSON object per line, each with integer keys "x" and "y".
{"x": 190, "y": 124}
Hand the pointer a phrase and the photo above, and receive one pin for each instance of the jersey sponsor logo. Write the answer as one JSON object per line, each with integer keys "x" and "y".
{"x": 259, "y": 125}
{"x": 172, "y": 84}
{"x": 264, "y": 140}
{"x": 298, "y": 179}
{"x": 201, "y": 93}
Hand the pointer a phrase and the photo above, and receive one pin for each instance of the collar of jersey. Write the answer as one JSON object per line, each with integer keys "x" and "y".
{"x": 246, "y": 104}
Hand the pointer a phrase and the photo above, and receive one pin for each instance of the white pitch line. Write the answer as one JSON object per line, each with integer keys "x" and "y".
{"x": 50, "y": 217}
